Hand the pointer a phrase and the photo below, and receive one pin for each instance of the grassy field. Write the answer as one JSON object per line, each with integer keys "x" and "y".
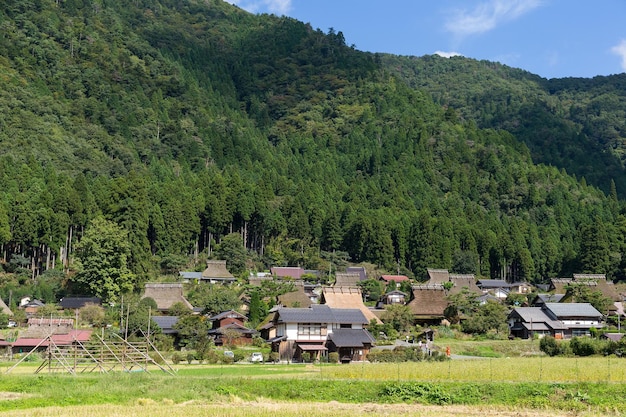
{"x": 486, "y": 387}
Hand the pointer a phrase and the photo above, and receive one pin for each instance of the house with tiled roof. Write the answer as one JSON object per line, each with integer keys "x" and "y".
{"x": 228, "y": 324}
{"x": 76, "y": 303}
{"x": 397, "y": 279}
{"x": 293, "y": 272}
{"x": 559, "y": 320}
{"x": 318, "y": 330}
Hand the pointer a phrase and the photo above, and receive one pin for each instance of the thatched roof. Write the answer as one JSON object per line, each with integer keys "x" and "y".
{"x": 347, "y": 297}
{"x": 296, "y": 298}
{"x": 4, "y": 309}
{"x": 461, "y": 281}
{"x": 166, "y": 294}
{"x": 347, "y": 279}
{"x": 428, "y": 301}
{"x": 595, "y": 282}
{"x": 438, "y": 276}
{"x": 216, "y": 270}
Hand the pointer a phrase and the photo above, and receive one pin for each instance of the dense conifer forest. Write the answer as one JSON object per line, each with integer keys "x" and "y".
{"x": 190, "y": 129}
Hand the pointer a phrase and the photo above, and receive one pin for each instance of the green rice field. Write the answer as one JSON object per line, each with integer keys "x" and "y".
{"x": 485, "y": 387}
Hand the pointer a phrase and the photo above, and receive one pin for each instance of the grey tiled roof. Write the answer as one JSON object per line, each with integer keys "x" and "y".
{"x": 166, "y": 323}
{"x": 572, "y": 310}
{"x": 321, "y": 314}
{"x": 535, "y": 317}
{"x": 351, "y": 337}
{"x": 493, "y": 283}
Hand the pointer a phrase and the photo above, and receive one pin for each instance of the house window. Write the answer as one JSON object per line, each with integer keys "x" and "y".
{"x": 310, "y": 329}
{"x": 345, "y": 326}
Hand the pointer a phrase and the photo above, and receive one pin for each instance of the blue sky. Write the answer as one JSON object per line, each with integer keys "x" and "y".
{"x": 550, "y": 38}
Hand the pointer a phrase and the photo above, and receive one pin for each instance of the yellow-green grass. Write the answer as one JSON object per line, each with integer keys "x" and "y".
{"x": 528, "y": 369}
{"x": 498, "y": 387}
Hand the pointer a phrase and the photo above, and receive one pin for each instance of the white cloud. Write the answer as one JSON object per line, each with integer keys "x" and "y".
{"x": 487, "y": 15}
{"x": 447, "y": 54}
{"x": 620, "y": 50}
{"x": 279, "y": 7}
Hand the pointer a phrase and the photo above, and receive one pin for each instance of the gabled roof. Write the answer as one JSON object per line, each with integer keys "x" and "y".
{"x": 536, "y": 319}
{"x": 228, "y": 314}
{"x": 166, "y": 323}
{"x": 320, "y": 314}
{"x": 438, "y": 276}
{"x": 357, "y": 270}
{"x": 493, "y": 283}
{"x": 78, "y": 302}
{"x": 351, "y": 338}
{"x": 297, "y": 297}
{"x": 566, "y": 310}
{"x": 347, "y": 297}
{"x": 395, "y": 278}
{"x": 58, "y": 339}
{"x": 287, "y": 271}
{"x": 190, "y": 275}
{"x": 233, "y": 326}
{"x": 347, "y": 279}
{"x": 461, "y": 281}
{"x": 428, "y": 301}
{"x": 548, "y": 298}
{"x": 166, "y": 294}
{"x": 4, "y": 309}
{"x": 216, "y": 270}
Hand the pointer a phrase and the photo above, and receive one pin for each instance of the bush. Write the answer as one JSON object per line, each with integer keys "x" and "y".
{"x": 274, "y": 357}
{"x": 190, "y": 357}
{"x": 258, "y": 342}
{"x": 306, "y": 357}
{"x": 177, "y": 358}
{"x": 239, "y": 356}
{"x": 582, "y": 346}
{"x": 333, "y": 357}
{"x": 550, "y": 346}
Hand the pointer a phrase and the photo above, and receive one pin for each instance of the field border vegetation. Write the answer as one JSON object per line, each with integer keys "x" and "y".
{"x": 424, "y": 384}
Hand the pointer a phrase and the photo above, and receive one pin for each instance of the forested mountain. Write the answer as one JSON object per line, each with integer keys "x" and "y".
{"x": 185, "y": 121}
{"x": 573, "y": 123}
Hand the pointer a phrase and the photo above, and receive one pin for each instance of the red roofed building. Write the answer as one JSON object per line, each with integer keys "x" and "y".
{"x": 27, "y": 344}
{"x": 393, "y": 278}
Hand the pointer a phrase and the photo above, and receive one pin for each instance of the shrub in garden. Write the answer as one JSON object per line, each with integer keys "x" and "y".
{"x": 190, "y": 357}
{"x": 582, "y": 346}
{"x": 333, "y": 357}
{"x": 550, "y": 346}
{"x": 306, "y": 357}
{"x": 274, "y": 357}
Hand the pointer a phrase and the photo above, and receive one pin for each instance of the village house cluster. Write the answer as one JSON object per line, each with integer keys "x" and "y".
{"x": 315, "y": 320}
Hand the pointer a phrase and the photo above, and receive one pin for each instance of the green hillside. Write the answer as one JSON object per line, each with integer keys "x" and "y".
{"x": 185, "y": 122}
{"x": 572, "y": 123}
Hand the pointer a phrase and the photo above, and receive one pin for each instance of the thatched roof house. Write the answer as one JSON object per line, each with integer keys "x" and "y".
{"x": 428, "y": 303}
{"x": 347, "y": 297}
{"x": 166, "y": 294}
{"x": 347, "y": 279}
{"x": 4, "y": 309}
{"x": 296, "y": 298}
{"x": 216, "y": 272}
